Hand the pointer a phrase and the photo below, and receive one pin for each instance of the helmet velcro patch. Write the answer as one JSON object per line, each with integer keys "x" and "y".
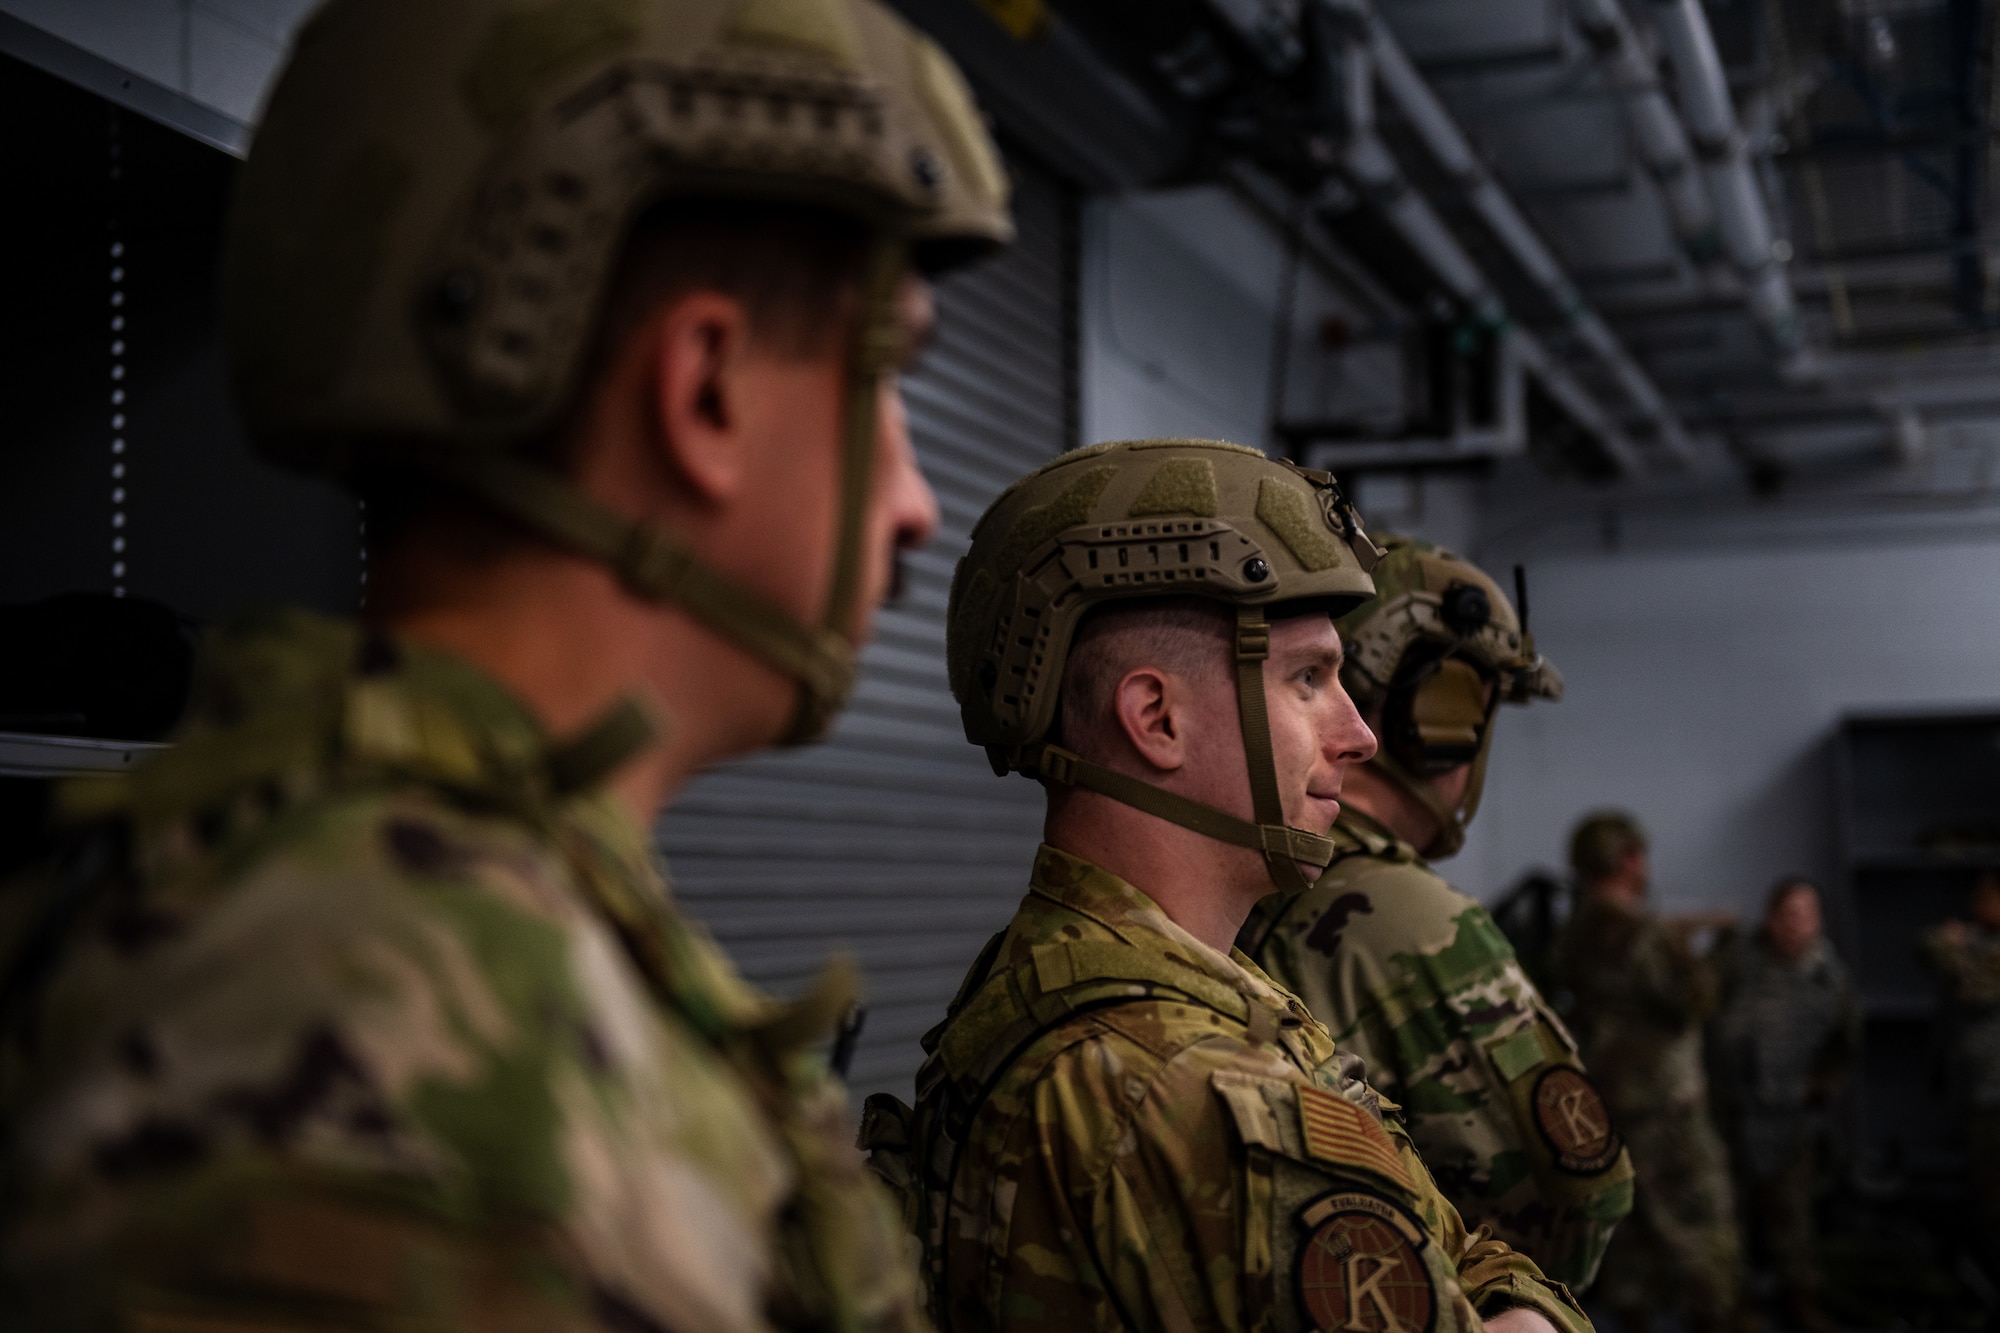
{"x": 530, "y": 47}
{"x": 1284, "y": 510}
{"x": 1180, "y": 486}
{"x": 1069, "y": 508}
{"x": 805, "y": 25}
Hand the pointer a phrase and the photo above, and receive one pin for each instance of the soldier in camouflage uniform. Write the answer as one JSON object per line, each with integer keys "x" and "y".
{"x": 365, "y": 1006}
{"x": 1415, "y": 977}
{"x": 1780, "y": 1048}
{"x": 1964, "y": 956}
{"x": 1123, "y": 1123}
{"x": 1641, "y": 997}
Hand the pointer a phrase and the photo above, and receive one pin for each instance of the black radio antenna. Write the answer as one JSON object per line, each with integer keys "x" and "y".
{"x": 1521, "y": 594}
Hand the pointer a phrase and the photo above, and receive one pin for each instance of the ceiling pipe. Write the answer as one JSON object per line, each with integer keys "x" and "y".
{"x": 1448, "y": 145}
{"x": 1373, "y": 169}
{"x": 1710, "y": 117}
{"x": 1657, "y": 132}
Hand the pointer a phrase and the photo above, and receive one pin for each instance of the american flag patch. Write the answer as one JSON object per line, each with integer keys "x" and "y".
{"x": 1340, "y": 1132}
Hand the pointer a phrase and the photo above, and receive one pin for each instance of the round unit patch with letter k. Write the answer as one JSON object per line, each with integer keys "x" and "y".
{"x": 1362, "y": 1268}
{"x": 1575, "y": 1122}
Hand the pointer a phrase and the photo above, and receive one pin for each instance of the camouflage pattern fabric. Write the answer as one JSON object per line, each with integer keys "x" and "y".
{"x": 1787, "y": 1031}
{"x": 1641, "y": 997}
{"x": 1120, "y": 1128}
{"x": 1782, "y": 1044}
{"x": 1968, "y": 969}
{"x": 361, "y": 1010}
{"x": 1416, "y": 979}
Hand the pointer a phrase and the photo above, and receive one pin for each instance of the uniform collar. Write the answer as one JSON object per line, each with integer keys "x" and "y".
{"x": 1126, "y": 912}
{"x": 1371, "y": 835}
{"x": 290, "y": 690}
{"x": 1813, "y": 959}
{"x": 288, "y": 693}
{"x": 1613, "y": 910}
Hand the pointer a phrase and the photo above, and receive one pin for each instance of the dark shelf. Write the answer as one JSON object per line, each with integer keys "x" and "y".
{"x": 1907, "y": 782}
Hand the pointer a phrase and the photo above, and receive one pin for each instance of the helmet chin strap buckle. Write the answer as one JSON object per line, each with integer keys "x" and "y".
{"x": 1056, "y": 764}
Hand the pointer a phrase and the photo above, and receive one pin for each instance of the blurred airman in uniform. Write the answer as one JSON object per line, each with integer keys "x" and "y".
{"x": 1780, "y": 1048}
{"x": 1964, "y": 956}
{"x": 1415, "y": 977}
{"x": 366, "y": 1004}
{"x": 1641, "y": 998}
{"x": 1123, "y": 1123}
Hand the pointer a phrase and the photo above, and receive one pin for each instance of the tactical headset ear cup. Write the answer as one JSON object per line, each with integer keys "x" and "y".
{"x": 1438, "y": 722}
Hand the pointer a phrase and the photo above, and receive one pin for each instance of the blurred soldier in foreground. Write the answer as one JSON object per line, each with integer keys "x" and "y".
{"x": 365, "y": 1006}
{"x": 1965, "y": 957}
{"x": 1412, "y": 975}
{"x": 1641, "y": 997}
{"x": 1780, "y": 1048}
{"x": 1123, "y": 1123}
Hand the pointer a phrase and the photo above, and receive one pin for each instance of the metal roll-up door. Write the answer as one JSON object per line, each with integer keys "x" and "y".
{"x": 893, "y": 839}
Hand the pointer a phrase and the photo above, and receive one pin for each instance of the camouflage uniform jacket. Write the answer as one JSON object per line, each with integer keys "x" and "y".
{"x": 1968, "y": 969}
{"x": 1120, "y": 1128}
{"x": 1641, "y": 998}
{"x": 1416, "y": 979}
{"x": 359, "y": 1009}
{"x": 1780, "y": 1045}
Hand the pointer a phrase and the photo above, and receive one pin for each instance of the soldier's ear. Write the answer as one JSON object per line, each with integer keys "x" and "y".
{"x": 1150, "y": 705}
{"x": 694, "y": 348}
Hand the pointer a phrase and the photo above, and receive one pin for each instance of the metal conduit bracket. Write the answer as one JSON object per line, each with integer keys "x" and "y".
{"x": 1373, "y": 167}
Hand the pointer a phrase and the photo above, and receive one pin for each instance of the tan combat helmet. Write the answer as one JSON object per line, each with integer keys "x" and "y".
{"x": 1147, "y": 518}
{"x": 440, "y": 190}
{"x": 1424, "y": 651}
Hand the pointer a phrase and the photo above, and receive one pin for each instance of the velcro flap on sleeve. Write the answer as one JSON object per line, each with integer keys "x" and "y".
{"x": 1255, "y": 1121}
{"x": 1516, "y": 1054}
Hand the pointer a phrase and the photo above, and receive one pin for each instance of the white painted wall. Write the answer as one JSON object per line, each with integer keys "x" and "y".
{"x": 1704, "y": 684}
{"x": 1179, "y": 308}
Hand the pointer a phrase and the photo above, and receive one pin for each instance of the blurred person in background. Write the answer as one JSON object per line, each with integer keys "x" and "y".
{"x": 1780, "y": 1049}
{"x": 1642, "y": 994}
{"x": 1965, "y": 958}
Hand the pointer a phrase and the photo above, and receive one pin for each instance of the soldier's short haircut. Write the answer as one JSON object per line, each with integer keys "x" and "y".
{"x": 797, "y": 272}
{"x": 1190, "y": 637}
{"x": 1601, "y": 843}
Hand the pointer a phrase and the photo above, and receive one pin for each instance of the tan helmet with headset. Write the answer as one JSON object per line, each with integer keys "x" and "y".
{"x": 1436, "y": 651}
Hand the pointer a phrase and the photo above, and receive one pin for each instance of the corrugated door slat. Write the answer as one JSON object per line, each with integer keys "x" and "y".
{"x": 893, "y": 839}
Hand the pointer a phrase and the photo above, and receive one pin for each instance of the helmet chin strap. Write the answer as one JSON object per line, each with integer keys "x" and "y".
{"x": 1451, "y": 821}
{"x": 1283, "y": 847}
{"x": 658, "y": 566}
